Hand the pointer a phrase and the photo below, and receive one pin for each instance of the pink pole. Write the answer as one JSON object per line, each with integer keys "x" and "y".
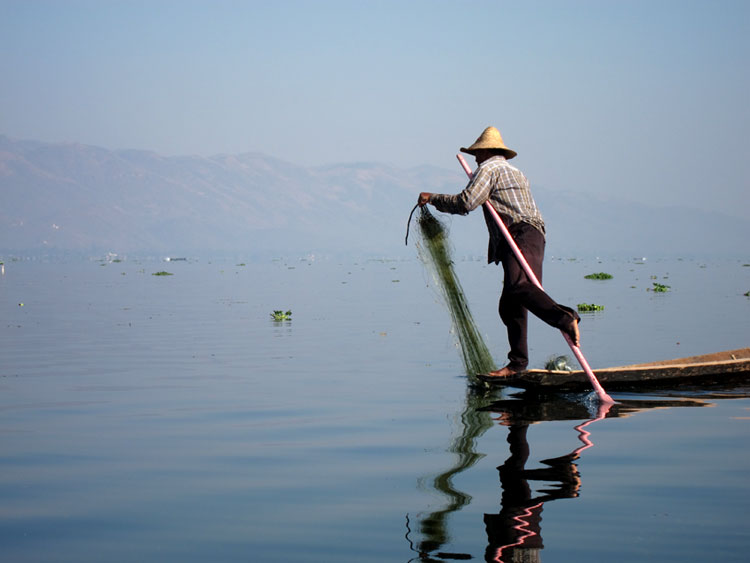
{"x": 601, "y": 393}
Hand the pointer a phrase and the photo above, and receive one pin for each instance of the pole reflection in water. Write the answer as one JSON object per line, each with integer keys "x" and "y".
{"x": 514, "y": 534}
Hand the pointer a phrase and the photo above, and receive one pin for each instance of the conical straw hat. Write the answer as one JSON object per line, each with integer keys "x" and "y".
{"x": 490, "y": 139}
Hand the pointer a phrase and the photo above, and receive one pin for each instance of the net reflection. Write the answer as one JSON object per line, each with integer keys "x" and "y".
{"x": 473, "y": 422}
{"x": 514, "y": 533}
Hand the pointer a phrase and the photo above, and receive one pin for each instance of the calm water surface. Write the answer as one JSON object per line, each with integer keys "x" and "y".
{"x": 168, "y": 418}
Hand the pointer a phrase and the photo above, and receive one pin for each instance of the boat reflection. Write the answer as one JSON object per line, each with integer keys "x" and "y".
{"x": 514, "y": 533}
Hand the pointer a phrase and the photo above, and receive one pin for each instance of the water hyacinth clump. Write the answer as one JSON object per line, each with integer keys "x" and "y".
{"x": 280, "y": 315}
{"x": 435, "y": 253}
{"x": 659, "y": 288}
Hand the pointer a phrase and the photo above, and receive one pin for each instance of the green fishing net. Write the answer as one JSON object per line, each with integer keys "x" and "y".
{"x": 435, "y": 253}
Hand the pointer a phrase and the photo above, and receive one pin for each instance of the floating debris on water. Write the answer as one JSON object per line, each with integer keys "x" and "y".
{"x": 589, "y": 307}
{"x": 599, "y": 276}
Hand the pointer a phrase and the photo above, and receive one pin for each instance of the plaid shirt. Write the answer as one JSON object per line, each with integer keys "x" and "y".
{"x": 507, "y": 190}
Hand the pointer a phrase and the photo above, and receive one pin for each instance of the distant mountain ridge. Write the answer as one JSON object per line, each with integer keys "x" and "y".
{"x": 68, "y": 197}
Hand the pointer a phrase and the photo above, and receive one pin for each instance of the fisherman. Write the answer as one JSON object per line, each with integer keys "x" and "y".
{"x": 507, "y": 190}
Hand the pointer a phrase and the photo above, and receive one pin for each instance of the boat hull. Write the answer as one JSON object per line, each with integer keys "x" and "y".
{"x": 709, "y": 369}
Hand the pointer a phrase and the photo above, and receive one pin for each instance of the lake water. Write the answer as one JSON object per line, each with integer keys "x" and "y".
{"x": 169, "y": 418}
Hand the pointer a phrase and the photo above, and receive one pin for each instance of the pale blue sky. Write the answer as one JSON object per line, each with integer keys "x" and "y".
{"x": 646, "y": 100}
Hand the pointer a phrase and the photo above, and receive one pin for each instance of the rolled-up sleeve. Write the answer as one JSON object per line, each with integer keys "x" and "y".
{"x": 474, "y": 194}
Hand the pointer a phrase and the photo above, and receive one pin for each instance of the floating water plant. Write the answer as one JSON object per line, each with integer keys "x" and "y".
{"x": 434, "y": 252}
{"x": 659, "y": 288}
{"x": 589, "y": 307}
{"x": 599, "y": 276}
{"x": 281, "y": 315}
{"x": 162, "y": 273}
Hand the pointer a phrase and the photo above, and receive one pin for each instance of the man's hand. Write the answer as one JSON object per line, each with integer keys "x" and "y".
{"x": 424, "y": 198}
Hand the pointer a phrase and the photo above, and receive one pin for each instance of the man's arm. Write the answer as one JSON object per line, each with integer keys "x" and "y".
{"x": 474, "y": 195}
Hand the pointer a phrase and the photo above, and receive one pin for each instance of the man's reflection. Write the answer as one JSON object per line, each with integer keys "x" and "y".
{"x": 515, "y": 533}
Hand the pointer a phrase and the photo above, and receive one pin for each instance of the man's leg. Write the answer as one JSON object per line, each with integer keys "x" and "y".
{"x": 531, "y": 242}
{"x": 515, "y": 318}
{"x": 513, "y": 301}
{"x": 521, "y": 295}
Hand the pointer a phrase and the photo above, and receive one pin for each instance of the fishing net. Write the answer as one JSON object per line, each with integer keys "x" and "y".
{"x": 435, "y": 253}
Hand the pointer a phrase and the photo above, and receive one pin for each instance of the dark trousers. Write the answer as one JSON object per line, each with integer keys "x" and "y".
{"x": 520, "y": 295}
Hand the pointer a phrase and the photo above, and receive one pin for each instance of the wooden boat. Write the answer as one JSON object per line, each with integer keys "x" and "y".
{"x": 731, "y": 366}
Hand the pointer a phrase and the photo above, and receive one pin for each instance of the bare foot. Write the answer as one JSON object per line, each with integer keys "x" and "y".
{"x": 501, "y": 373}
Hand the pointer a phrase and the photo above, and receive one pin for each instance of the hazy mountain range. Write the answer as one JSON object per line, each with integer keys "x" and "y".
{"x": 84, "y": 199}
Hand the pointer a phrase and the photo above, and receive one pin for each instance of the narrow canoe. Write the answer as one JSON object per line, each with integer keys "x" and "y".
{"x": 731, "y": 366}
